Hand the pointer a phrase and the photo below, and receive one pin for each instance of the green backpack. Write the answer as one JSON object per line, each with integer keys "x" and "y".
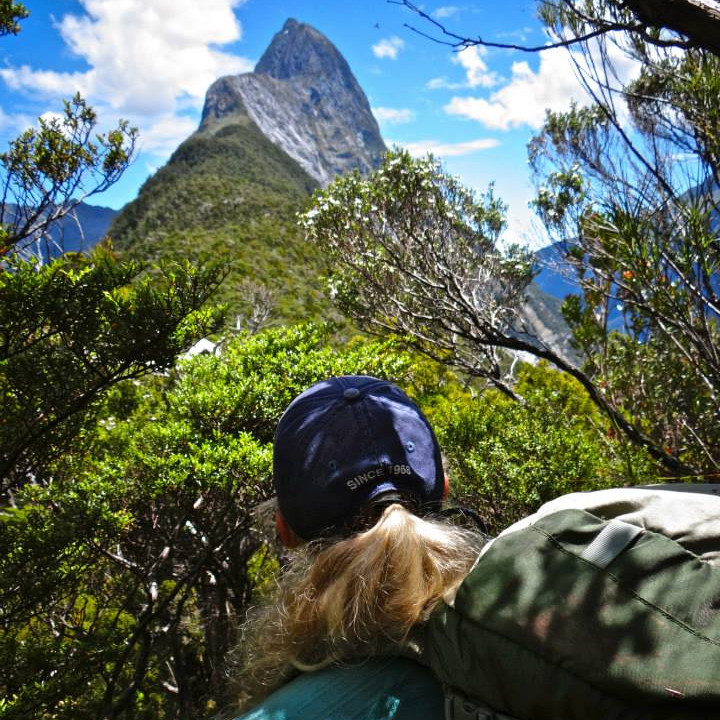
{"x": 602, "y": 606}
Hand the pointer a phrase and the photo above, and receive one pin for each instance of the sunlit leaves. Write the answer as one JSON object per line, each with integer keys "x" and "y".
{"x": 506, "y": 459}
{"x": 50, "y": 168}
{"x": 71, "y": 329}
{"x": 413, "y": 252}
{"x": 10, "y": 13}
{"x": 630, "y": 185}
{"x": 131, "y": 570}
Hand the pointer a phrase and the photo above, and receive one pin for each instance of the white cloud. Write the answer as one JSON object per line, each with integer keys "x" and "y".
{"x": 442, "y": 83}
{"x": 393, "y": 115}
{"x": 146, "y": 61}
{"x": 46, "y": 82}
{"x": 525, "y": 98}
{"x": 445, "y": 11}
{"x": 528, "y": 94}
{"x": 388, "y": 47}
{"x": 477, "y": 73}
{"x": 441, "y": 149}
{"x": 519, "y": 35}
{"x": 165, "y": 133}
{"x": 15, "y": 123}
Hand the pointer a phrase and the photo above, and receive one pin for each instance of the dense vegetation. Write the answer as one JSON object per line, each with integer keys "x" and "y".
{"x": 136, "y": 514}
{"x": 231, "y": 194}
{"x": 129, "y": 570}
{"x": 628, "y": 185}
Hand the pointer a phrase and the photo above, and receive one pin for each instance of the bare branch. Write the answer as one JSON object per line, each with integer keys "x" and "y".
{"x": 695, "y": 22}
{"x": 459, "y": 42}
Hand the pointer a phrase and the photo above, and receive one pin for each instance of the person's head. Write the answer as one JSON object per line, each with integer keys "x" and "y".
{"x": 359, "y": 479}
{"x": 347, "y": 443}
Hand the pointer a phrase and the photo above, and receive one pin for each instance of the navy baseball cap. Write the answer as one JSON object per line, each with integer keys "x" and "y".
{"x": 344, "y": 442}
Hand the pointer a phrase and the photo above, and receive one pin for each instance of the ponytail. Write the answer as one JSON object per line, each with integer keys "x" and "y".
{"x": 355, "y": 597}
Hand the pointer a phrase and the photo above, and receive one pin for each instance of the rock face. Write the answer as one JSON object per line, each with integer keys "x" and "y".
{"x": 305, "y": 99}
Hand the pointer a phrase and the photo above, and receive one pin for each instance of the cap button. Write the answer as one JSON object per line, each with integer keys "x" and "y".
{"x": 351, "y": 393}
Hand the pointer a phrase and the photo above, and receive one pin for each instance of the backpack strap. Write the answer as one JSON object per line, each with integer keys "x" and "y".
{"x": 610, "y": 542}
{"x": 458, "y": 707}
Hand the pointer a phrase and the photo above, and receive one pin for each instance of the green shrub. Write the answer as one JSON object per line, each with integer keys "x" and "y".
{"x": 507, "y": 458}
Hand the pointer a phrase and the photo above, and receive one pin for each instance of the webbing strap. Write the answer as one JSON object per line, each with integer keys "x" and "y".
{"x": 458, "y": 707}
{"x": 610, "y": 542}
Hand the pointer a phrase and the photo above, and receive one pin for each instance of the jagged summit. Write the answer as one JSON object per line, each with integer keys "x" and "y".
{"x": 305, "y": 99}
{"x": 299, "y": 49}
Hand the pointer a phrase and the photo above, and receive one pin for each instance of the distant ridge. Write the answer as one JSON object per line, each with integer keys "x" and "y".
{"x": 77, "y": 231}
{"x": 557, "y": 278}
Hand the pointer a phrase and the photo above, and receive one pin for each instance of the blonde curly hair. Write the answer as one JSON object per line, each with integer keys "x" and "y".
{"x": 353, "y": 597}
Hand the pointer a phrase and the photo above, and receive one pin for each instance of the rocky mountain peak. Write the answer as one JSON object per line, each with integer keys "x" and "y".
{"x": 305, "y": 99}
{"x": 299, "y": 49}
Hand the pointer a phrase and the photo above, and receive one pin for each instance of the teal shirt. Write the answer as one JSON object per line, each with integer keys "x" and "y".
{"x": 377, "y": 689}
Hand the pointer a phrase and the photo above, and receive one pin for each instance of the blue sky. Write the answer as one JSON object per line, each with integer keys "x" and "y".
{"x": 151, "y": 61}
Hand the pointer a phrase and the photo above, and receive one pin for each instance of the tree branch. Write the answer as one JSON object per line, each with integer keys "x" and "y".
{"x": 696, "y": 20}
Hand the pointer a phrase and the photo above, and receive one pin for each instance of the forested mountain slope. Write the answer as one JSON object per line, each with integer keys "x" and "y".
{"x": 231, "y": 196}
{"x": 232, "y": 190}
